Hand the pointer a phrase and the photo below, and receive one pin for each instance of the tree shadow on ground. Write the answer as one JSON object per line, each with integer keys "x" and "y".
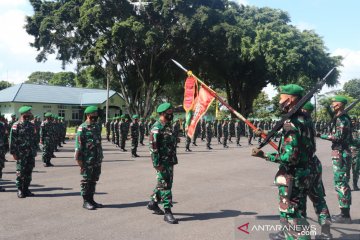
{"x": 212, "y": 215}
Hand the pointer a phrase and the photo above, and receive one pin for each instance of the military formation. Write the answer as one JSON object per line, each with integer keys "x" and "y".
{"x": 299, "y": 175}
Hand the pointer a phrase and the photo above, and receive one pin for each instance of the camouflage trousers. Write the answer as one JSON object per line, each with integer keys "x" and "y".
{"x": 142, "y": 135}
{"x": 108, "y": 135}
{"x": 187, "y": 142}
{"x": 24, "y": 168}
{"x": 90, "y": 175}
{"x": 341, "y": 160}
{"x": 162, "y": 192}
{"x": 225, "y": 139}
{"x": 292, "y": 202}
{"x": 237, "y": 138}
{"x": 117, "y": 137}
{"x": 203, "y": 134}
{"x": 112, "y": 137}
{"x": 134, "y": 145}
{"x": 355, "y": 164}
{"x": 317, "y": 195}
{"x": 2, "y": 161}
{"x": 123, "y": 138}
{"x": 208, "y": 139}
{"x": 47, "y": 151}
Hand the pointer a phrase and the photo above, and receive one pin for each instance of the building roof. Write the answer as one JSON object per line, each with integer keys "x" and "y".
{"x": 34, "y": 93}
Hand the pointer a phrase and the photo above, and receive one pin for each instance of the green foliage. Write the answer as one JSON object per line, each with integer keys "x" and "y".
{"x": 261, "y": 106}
{"x": 42, "y": 78}
{"x": 352, "y": 88}
{"x": 66, "y": 79}
{"x": 5, "y": 84}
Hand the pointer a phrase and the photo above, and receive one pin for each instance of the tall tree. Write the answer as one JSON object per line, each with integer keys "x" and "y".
{"x": 66, "y": 79}
{"x": 5, "y": 84}
{"x": 352, "y": 88}
{"x": 42, "y": 78}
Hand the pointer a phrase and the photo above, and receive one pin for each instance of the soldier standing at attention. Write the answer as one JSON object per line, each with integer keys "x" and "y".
{"x": 112, "y": 128}
{"x": 176, "y": 129}
{"x": 3, "y": 137}
{"x": 203, "y": 129}
{"x": 341, "y": 138}
{"x": 107, "y": 126}
{"x": 238, "y": 132}
{"x": 355, "y": 163}
{"x": 142, "y": 131}
{"x": 219, "y": 131}
{"x": 24, "y": 150}
{"x": 209, "y": 134}
{"x": 225, "y": 132}
{"x": 13, "y": 120}
{"x": 117, "y": 130}
{"x": 231, "y": 129}
{"x": 293, "y": 157}
{"x": 134, "y": 131}
{"x": 89, "y": 156}
{"x": 46, "y": 139}
{"x": 163, "y": 156}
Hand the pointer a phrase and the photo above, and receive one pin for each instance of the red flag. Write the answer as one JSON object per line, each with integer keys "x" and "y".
{"x": 190, "y": 93}
{"x": 202, "y": 103}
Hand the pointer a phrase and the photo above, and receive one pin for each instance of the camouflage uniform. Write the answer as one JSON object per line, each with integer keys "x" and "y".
{"x": 341, "y": 157}
{"x": 124, "y": 127}
{"x": 219, "y": 131}
{"x": 163, "y": 153}
{"x": 134, "y": 131}
{"x": 112, "y": 128}
{"x": 176, "y": 130}
{"x": 117, "y": 132}
{"x": 88, "y": 150}
{"x": 292, "y": 179}
{"x": 47, "y": 132}
{"x": 142, "y": 131}
{"x": 225, "y": 132}
{"x": 249, "y": 133}
{"x": 203, "y": 129}
{"x": 107, "y": 126}
{"x": 355, "y": 155}
{"x": 3, "y": 137}
{"x": 209, "y": 134}
{"x": 22, "y": 145}
{"x": 231, "y": 130}
{"x": 238, "y": 132}
{"x": 215, "y": 128}
{"x": 196, "y": 133}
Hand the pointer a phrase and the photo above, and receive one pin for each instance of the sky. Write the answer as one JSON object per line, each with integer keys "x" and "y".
{"x": 337, "y": 22}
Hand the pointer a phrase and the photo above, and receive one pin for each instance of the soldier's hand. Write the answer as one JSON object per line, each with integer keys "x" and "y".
{"x": 257, "y": 153}
{"x": 159, "y": 168}
{"x": 258, "y": 132}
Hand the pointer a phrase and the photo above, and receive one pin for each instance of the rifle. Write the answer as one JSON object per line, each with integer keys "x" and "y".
{"x": 299, "y": 105}
{"x": 346, "y": 110}
{"x": 237, "y": 114}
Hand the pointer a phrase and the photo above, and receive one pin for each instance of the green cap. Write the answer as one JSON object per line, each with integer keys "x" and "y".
{"x": 135, "y": 116}
{"x": 48, "y": 114}
{"x": 163, "y": 107}
{"x": 339, "y": 98}
{"x": 90, "y": 109}
{"x": 292, "y": 89}
{"x": 24, "y": 109}
{"x": 122, "y": 116}
{"x": 308, "y": 107}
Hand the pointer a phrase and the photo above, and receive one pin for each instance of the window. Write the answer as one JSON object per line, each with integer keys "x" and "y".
{"x": 62, "y": 107}
{"x": 76, "y": 114}
{"x": 47, "y": 106}
{"x": 61, "y": 113}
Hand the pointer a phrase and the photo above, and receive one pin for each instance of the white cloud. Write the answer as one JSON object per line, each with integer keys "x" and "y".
{"x": 243, "y": 2}
{"x": 12, "y": 3}
{"x": 305, "y": 26}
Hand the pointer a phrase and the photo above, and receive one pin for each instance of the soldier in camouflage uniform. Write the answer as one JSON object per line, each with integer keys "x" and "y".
{"x": 142, "y": 131}
{"x": 107, "y": 126}
{"x": 24, "y": 150}
{"x": 203, "y": 129}
{"x": 292, "y": 178}
{"x": 316, "y": 191}
{"x": 134, "y": 132}
{"x": 146, "y": 125}
{"x": 196, "y": 134}
{"x": 13, "y": 120}
{"x": 163, "y": 155}
{"x": 215, "y": 127}
{"x": 37, "y": 124}
{"x": 124, "y": 127}
{"x": 225, "y": 132}
{"x": 238, "y": 132}
{"x": 219, "y": 131}
{"x": 355, "y": 163}
{"x": 176, "y": 129}
{"x": 3, "y": 137}
{"x": 47, "y": 132}
{"x": 249, "y": 133}
{"x": 209, "y": 134}
{"x": 231, "y": 130}
{"x": 112, "y": 128}
{"x": 341, "y": 138}
{"x": 89, "y": 156}
{"x": 117, "y": 131}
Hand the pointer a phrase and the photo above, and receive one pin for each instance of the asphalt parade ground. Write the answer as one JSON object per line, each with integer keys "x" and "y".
{"x": 215, "y": 193}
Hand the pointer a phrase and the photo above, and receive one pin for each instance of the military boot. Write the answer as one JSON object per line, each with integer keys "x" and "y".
{"x": 87, "y": 203}
{"x": 92, "y": 201}
{"x": 27, "y": 192}
{"x": 355, "y": 186}
{"x": 2, "y": 189}
{"x": 325, "y": 233}
{"x": 188, "y": 150}
{"x": 209, "y": 148}
{"x": 20, "y": 193}
{"x": 343, "y": 217}
{"x": 153, "y": 206}
{"x": 169, "y": 217}
{"x": 277, "y": 236}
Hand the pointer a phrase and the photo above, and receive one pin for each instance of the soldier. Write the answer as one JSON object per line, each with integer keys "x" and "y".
{"x": 142, "y": 131}
{"x": 63, "y": 125}
{"x": 46, "y": 139}
{"x": 238, "y": 132}
{"x": 23, "y": 148}
{"x": 134, "y": 131}
{"x": 124, "y": 127}
{"x": 117, "y": 131}
{"x": 163, "y": 155}
{"x": 3, "y": 140}
{"x": 208, "y": 134}
{"x": 225, "y": 132}
{"x": 215, "y": 122}
{"x": 89, "y": 156}
{"x": 219, "y": 131}
{"x": 112, "y": 128}
{"x": 37, "y": 124}
{"x": 146, "y": 124}
{"x": 203, "y": 129}
{"x": 107, "y": 126}
{"x": 355, "y": 160}
{"x": 176, "y": 129}
{"x": 13, "y": 120}
{"x": 292, "y": 178}
{"x": 341, "y": 139}
{"x": 231, "y": 129}
{"x": 249, "y": 133}
{"x": 316, "y": 191}
{"x": 196, "y": 133}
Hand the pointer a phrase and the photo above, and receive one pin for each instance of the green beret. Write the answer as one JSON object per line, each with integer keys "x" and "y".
{"x": 135, "y": 116}
{"x": 237, "y": 120}
{"x": 308, "y": 107}
{"x": 142, "y": 119}
{"x": 48, "y": 114}
{"x": 339, "y": 98}
{"x": 292, "y": 89}
{"x": 163, "y": 107}
{"x": 90, "y": 109}
{"x": 24, "y": 109}
{"x": 122, "y": 116}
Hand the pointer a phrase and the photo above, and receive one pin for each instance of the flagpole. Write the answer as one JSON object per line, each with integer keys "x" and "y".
{"x": 237, "y": 114}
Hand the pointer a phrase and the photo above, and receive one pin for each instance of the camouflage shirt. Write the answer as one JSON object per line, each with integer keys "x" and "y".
{"x": 341, "y": 134}
{"x": 47, "y": 131}
{"x": 134, "y": 129}
{"x": 22, "y": 139}
{"x": 162, "y": 144}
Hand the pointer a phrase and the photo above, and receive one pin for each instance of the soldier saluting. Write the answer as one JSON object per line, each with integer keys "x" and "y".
{"x": 89, "y": 156}
{"x": 24, "y": 150}
{"x": 163, "y": 155}
{"x": 341, "y": 138}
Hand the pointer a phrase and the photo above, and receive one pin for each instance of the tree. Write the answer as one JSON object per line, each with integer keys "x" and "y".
{"x": 352, "y": 88}
{"x": 66, "y": 79}
{"x": 261, "y": 106}
{"x": 5, "y": 84}
{"x": 41, "y": 78}
{"x": 90, "y": 77}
